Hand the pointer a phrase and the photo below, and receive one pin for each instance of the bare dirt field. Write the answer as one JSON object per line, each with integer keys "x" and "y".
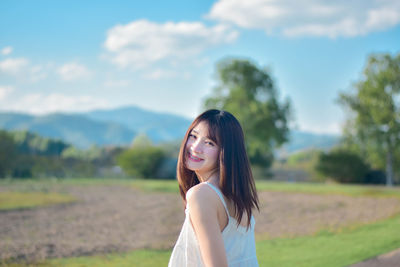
{"x": 117, "y": 219}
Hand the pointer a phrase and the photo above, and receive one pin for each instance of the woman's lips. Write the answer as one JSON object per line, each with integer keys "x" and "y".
{"x": 194, "y": 158}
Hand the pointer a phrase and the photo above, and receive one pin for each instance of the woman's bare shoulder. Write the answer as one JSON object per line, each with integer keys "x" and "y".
{"x": 201, "y": 193}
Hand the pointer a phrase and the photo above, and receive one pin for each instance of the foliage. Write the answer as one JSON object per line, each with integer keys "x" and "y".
{"x": 72, "y": 152}
{"x": 373, "y": 129}
{"x": 167, "y": 169}
{"x": 375, "y": 177}
{"x": 249, "y": 93}
{"x": 23, "y": 166}
{"x": 31, "y": 143}
{"x": 141, "y": 140}
{"x": 171, "y": 148}
{"x": 342, "y": 166}
{"x": 8, "y": 154}
{"x": 48, "y": 167}
{"x": 141, "y": 161}
{"x": 24, "y": 155}
{"x": 104, "y": 156}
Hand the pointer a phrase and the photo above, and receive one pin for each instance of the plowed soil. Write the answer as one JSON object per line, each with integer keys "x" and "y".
{"x": 118, "y": 219}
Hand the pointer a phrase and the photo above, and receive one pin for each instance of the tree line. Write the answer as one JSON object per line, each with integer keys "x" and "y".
{"x": 27, "y": 155}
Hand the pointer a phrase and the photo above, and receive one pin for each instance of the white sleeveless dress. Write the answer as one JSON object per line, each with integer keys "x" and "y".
{"x": 239, "y": 243}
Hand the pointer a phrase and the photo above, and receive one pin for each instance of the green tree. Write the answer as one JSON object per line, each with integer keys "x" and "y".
{"x": 373, "y": 128}
{"x": 142, "y": 159}
{"x": 34, "y": 144}
{"x": 249, "y": 93}
{"x": 141, "y": 140}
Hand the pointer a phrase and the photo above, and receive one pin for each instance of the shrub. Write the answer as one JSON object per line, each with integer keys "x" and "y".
{"x": 375, "y": 177}
{"x": 167, "y": 169}
{"x": 141, "y": 161}
{"x": 343, "y": 166}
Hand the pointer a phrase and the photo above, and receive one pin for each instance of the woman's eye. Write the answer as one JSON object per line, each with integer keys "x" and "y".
{"x": 210, "y": 143}
{"x": 192, "y": 136}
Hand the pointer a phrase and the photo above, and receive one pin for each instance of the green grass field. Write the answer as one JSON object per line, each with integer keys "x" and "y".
{"x": 23, "y": 200}
{"x": 332, "y": 249}
{"x": 171, "y": 186}
{"x": 339, "y": 248}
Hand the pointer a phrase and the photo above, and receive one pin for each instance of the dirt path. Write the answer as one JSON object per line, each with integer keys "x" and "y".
{"x": 391, "y": 259}
{"x": 117, "y": 218}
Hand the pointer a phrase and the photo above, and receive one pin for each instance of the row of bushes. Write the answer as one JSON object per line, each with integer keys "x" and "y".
{"x": 29, "y": 155}
{"x": 26, "y": 155}
{"x": 347, "y": 167}
{"x": 339, "y": 164}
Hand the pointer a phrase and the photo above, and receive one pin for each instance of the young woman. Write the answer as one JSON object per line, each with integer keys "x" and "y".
{"x": 218, "y": 189}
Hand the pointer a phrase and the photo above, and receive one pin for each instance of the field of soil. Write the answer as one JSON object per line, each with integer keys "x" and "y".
{"x": 117, "y": 218}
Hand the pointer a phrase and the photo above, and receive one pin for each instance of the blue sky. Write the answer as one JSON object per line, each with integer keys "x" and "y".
{"x": 73, "y": 56}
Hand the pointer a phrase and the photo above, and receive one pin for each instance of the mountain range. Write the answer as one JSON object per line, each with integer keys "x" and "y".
{"x": 121, "y": 125}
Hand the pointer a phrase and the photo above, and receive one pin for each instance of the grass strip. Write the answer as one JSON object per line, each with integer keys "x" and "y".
{"x": 332, "y": 249}
{"x": 171, "y": 186}
{"x": 21, "y": 200}
{"x": 329, "y": 189}
{"x": 168, "y": 186}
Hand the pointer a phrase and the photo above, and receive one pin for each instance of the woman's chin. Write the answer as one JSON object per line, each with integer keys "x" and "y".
{"x": 192, "y": 168}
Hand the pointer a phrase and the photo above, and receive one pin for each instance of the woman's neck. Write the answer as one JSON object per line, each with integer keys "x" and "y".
{"x": 211, "y": 177}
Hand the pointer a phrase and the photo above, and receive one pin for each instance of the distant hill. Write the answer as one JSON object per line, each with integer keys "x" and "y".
{"x": 119, "y": 127}
{"x": 74, "y": 129}
{"x": 299, "y": 140}
{"x": 159, "y": 127}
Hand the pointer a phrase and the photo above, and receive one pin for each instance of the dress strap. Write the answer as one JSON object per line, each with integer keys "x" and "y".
{"x": 219, "y": 195}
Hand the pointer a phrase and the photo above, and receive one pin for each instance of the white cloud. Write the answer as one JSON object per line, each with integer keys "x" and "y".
{"x": 158, "y": 74}
{"x": 117, "y": 83}
{"x": 38, "y": 72}
{"x": 24, "y": 70}
{"x": 200, "y": 62}
{"x": 141, "y": 43}
{"x": 13, "y": 65}
{"x": 42, "y": 104}
{"x": 6, "y": 50}
{"x": 309, "y": 18}
{"x": 73, "y": 71}
{"x": 5, "y": 91}
{"x": 330, "y": 128}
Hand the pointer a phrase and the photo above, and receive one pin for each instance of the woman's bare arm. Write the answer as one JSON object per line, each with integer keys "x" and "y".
{"x": 203, "y": 215}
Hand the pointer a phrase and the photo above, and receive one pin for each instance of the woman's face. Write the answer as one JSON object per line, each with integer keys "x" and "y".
{"x": 201, "y": 152}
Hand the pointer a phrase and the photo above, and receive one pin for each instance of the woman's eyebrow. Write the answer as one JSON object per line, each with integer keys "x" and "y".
{"x": 207, "y": 137}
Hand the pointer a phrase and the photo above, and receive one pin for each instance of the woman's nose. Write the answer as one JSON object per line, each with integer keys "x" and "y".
{"x": 196, "y": 147}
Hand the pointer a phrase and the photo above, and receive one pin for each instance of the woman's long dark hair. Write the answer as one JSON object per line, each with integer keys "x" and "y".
{"x": 235, "y": 176}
